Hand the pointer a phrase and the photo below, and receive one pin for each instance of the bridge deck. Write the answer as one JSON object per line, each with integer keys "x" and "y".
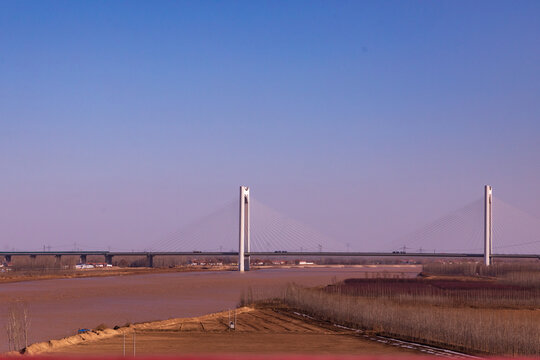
{"x": 275, "y": 253}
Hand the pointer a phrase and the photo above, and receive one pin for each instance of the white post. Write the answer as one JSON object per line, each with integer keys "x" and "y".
{"x": 244, "y": 241}
{"x": 488, "y": 224}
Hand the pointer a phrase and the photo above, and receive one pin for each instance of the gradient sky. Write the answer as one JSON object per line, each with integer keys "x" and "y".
{"x": 121, "y": 121}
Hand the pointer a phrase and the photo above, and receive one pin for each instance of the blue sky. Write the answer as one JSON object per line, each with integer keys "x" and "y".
{"x": 120, "y": 121}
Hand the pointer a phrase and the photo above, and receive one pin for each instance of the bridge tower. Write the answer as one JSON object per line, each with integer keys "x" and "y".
{"x": 244, "y": 246}
{"x": 488, "y": 224}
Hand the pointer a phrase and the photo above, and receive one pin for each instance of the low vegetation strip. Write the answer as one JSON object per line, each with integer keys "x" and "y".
{"x": 515, "y": 273}
{"x": 474, "y": 330}
{"x": 447, "y": 292}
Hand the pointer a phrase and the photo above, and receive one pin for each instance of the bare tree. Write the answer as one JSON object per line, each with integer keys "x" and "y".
{"x": 18, "y": 322}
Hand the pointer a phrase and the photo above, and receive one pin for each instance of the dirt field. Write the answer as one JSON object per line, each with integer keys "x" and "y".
{"x": 59, "y": 307}
{"x": 258, "y": 331}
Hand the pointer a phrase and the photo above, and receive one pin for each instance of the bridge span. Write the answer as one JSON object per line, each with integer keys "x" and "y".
{"x": 149, "y": 255}
{"x": 245, "y": 252}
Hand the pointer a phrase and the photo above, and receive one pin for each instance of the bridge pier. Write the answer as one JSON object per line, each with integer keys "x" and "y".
{"x": 150, "y": 260}
{"x": 58, "y": 259}
{"x": 33, "y": 257}
{"x": 82, "y": 259}
{"x": 7, "y": 259}
{"x": 108, "y": 259}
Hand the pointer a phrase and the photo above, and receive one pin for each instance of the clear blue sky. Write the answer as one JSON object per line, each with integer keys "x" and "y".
{"x": 120, "y": 121}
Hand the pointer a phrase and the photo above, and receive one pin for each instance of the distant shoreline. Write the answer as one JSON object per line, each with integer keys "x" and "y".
{"x": 90, "y": 273}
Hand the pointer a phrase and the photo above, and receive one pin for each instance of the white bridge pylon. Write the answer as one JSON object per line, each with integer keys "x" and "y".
{"x": 244, "y": 228}
{"x": 244, "y": 240}
{"x": 488, "y": 224}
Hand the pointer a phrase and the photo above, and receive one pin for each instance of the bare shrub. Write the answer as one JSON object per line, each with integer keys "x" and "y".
{"x": 39, "y": 264}
{"x": 101, "y": 327}
{"x": 169, "y": 261}
{"x": 42, "y": 265}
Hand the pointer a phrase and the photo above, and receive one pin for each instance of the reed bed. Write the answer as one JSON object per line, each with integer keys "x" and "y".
{"x": 485, "y": 331}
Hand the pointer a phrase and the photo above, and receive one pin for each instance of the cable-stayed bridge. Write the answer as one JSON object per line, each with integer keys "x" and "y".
{"x": 485, "y": 228}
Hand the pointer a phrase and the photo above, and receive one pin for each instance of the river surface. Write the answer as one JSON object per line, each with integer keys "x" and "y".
{"x": 59, "y": 307}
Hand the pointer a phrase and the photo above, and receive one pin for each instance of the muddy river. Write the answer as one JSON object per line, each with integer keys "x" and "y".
{"x": 59, "y": 307}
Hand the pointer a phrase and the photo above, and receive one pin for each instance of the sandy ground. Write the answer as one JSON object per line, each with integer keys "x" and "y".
{"x": 258, "y": 331}
{"x": 59, "y": 307}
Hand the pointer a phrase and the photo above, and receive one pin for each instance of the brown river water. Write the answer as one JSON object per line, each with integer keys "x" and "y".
{"x": 59, "y": 307}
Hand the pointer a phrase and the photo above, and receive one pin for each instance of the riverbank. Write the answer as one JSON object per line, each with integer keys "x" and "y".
{"x": 262, "y": 330}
